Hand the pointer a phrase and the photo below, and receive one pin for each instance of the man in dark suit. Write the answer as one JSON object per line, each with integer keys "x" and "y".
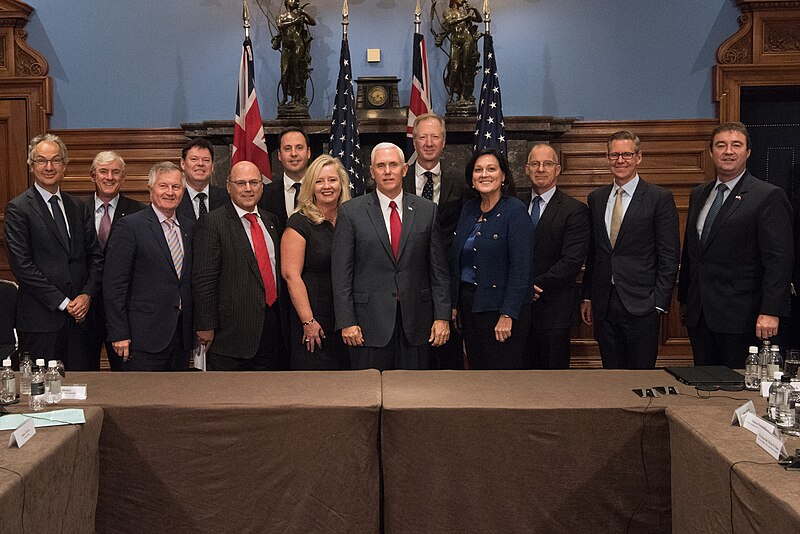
{"x": 632, "y": 261}
{"x": 105, "y": 207}
{"x": 236, "y": 282}
{"x": 560, "y": 245}
{"x": 448, "y": 191}
{"x": 389, "y": 272}
{"x": 736, "y": 266}
{"x": 54, "y": 255}
{"x": 147, "y": 279}
{"x": 200, "y": 197}
{"x": 280, "y": 196}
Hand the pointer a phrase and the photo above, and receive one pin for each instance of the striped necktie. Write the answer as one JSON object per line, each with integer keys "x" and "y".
{"x": 174, "y": 244}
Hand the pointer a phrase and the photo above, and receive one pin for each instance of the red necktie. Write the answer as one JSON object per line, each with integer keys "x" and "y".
{"x": 396, "y": 227}
{"x": 262, "y": 256}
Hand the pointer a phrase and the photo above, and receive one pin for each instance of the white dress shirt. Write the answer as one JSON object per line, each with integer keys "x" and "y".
{"x": 288, "y": 194}
{"x": 99, "y": 210}
{"x": 701, "y": 217}
{"x": 628, "y": 190}
{"x": 420, "y": 179}
{"x": 196, "y": 201}
{"x": 544, "y": 200}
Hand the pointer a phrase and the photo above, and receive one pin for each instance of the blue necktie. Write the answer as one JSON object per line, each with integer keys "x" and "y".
{"x": 535, "y": 211}
{"x": 712, "y": 212}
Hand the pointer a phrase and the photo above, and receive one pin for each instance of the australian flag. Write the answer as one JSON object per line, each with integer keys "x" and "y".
{"x": 344, "y": 143}
{"x": 490, "y": 131}
{"x": 248, "y": 130}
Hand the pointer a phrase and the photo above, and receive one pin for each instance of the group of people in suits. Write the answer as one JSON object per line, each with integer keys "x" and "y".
{"x": 427, "y": 266}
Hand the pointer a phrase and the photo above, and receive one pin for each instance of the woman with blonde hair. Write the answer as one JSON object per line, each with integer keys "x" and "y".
{"x": 306, "y": 267}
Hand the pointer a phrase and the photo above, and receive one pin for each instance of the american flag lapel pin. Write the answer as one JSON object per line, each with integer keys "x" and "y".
{"x": 738, "y": 197}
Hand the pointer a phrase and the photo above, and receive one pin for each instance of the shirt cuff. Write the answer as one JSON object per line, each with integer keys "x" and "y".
{"x": 661, "y": 310}
{"x": 63, "y": 305}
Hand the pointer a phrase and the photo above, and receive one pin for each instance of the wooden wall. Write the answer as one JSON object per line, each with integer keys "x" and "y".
{"x": 674, "y": 155}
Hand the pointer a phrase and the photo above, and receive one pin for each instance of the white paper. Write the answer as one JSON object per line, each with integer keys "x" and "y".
{"x": 199, "y": 355}
{"x": 771, "y": 443}
{"x": 739, "y": 413}
{"x": 22, "y": 433}
{"x": 754, "y": 423}
{"x": 73, "y": 392}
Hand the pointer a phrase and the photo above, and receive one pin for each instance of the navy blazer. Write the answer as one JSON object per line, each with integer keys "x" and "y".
{"x": 504, "y": 256}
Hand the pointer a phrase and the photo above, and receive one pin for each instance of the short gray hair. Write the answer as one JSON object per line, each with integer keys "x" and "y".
{"x": 106, "y": 156}
{"x": 50, "y": 138}
{"x": 382, "y": 146}
{"x": 161, "y": 168}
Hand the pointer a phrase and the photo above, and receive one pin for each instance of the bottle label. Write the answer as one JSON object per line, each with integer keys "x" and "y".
{"x": 37, "y": 388}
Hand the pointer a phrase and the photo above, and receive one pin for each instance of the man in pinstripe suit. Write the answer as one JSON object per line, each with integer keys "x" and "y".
{"x": 236, "y": 281}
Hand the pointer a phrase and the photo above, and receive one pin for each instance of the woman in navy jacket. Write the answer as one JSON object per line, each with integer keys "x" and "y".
{"x": 491, "y": 263}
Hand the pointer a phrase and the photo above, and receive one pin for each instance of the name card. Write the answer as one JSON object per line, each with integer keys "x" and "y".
{"x": 754, "y": 423}
{"x": 741, "y": 411}
{"x": 73, "y": 392}
{"x": 22, "y": 434}
{"x": 771, "y": 443}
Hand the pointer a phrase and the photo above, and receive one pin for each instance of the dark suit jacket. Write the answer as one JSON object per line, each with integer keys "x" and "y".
{"x": 503, "y": 256}
{"x": 452, "y": 196}
{"x": 227, "y": 285}
{"x": 560, "y": 245}
{"x": 274, "y": 201}
{"x": 217, "y": 196}
{"x": 47, "y": 268}
{"x": 125, "y": 206}
{"x": 746, "y": 265}
{"x": 367, "y": 282}
{"x": 142, "y": 292}
{"x": 644, "y": 262}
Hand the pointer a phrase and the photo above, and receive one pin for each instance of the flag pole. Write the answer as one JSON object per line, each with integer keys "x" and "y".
{"x": 417, "y": 18}
{"x": 345, "y": 21}
{"x": 246, "y": 19}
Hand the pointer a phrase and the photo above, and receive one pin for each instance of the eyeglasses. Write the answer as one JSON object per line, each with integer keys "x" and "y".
{"x": 241, "y": 183}
{"x": 41, "y": 162}
{"x": 627, "y": 156}
{"x": 546, "y": 164}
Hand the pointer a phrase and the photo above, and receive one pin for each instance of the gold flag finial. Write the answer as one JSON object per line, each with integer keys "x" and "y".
{"x": 345, "y": 19}
{"x": 246, "y": 18}
{"x": 487, "y": 16}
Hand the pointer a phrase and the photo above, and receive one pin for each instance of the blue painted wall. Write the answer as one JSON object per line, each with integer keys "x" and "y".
{"x": 160, "y": 63}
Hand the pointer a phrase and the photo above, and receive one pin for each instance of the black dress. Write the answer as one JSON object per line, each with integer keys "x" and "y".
{"x": 317, "y": 278}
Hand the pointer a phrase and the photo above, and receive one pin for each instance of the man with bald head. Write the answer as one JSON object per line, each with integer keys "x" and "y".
{"x": 389, "y": 272}
{"x": 237, "y": 288}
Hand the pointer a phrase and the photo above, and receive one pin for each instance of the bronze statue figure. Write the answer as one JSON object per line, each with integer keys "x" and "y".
{"x": 294, "y": 41}
{"x": 460, "y": 27}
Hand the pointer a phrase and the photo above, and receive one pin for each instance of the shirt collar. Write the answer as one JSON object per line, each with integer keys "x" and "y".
{"x": 162, "y": 217}
{"x": 288, "y": 183}
{"x": 629, "y": 188}
{"x": 730, "y": 184}
{"x": 99, "y": 203}
{"x": 241, "y": 213}
{"x": 384, "y": 200}
{"x": 419, "y": 171}
{"x": 47, "y": 194}
{"x": 193, "y": 192}
{"x": 547, "y": 196}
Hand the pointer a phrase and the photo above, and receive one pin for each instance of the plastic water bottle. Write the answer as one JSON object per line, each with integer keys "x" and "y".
{"x": 36, "y": 400}
{"x": 25, "y": 365}
{"x": 52, "y": 383}
{"x": 784, "y": 416}
{"x": 774, "y": 361}
{"x": 8, "y": 383}
{"x": 752, "y": 369}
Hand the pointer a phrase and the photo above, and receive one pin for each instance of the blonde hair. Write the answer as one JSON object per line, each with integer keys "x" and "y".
{"x": 305, "y": 200}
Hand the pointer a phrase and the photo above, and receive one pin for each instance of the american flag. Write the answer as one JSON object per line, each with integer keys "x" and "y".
{"x": 248, "y": 129}
{"x": 490, "y": 131}
{"x": 420, "y": 102}
{"x": 344, "y": 143}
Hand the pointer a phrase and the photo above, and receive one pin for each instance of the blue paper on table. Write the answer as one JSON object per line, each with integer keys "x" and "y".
{"x": 71, "y": 416}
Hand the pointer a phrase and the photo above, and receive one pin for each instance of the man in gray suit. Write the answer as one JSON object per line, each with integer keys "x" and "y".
{"x": 632, "y": 262}
{"x": 389, "y": 272}
{"x": 236, "y": 286}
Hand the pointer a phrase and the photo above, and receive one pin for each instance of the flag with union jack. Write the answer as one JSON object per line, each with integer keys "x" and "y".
{"x": 344, "y": 143}
{"x": 490, "y": 131}
{"x": 248, "y": 129}
{"x": 420, "y": 102}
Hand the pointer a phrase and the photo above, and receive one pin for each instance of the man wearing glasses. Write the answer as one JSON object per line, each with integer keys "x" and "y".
{"x": 560, "y": 245}
{"x": 54, "y": 254}
{"x": 632, "y": 262}
{"x": 236, "y": 280}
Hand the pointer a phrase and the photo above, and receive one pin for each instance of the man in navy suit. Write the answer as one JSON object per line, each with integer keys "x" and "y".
{"x": 54, "y": 255}
{"x": 632, "y": 262}
{"x": 147, "y": 280}
{"x": 737, "y": 258}
{"x": 105, "y": 207}
{"x": 389, "y": 272}
{"x": 280, "y": 196}
{"x": 200, "y": 197}
{"x": 560, "y": 245}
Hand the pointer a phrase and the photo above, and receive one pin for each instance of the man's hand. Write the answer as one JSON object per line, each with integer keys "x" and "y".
{"x": 122, "y": 348}
{"x": 352, "y": 336}
{"x": 79, "y": 307}
{"x": 206, "y": 337}
{"x": 586, "y": 312}
{"x": 502, "y": 330}
{"x": 537, "y": 292}
{"x": 440, "y": 332}
{"x": 766, "y": 326}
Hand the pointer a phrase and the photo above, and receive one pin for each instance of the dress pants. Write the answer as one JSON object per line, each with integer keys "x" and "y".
{"x": 627, "y": 341}
{"x": 270, "y": 356}
{"x": 716, "y": 348}
{"x": 175, "y": 357}
{"x": 70, "y": 344}
{"x": 548, "y": 348}
{"x": 397, "y": 354}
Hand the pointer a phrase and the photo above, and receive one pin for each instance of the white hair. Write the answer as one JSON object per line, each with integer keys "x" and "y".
{"x": 382, "y": 146}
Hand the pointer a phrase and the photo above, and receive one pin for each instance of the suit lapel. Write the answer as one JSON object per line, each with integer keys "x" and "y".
{"x": 44, "y": 212}
{"x": 376, "y": 217}
{"x": 599, "y": 215}
{"x": 73, "y": 218}
{"x": 445, "y": 187}
{"x": 239, "y": 235}
{"x": 409, "y": 181}
{"x": 408, "y": 222}
{"x": 547, "y": 217}
{"x": 158, "y": 235}
{"x": 634, "y": 207}
{"x": 731, "y": 204}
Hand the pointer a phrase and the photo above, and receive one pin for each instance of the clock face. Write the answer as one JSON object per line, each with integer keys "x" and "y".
{"x": 377, "y": 95}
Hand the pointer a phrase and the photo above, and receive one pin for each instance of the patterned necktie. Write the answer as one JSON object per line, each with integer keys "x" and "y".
{"x": 296, "y": 187}
{"x": 427, "y": 189}
{"x": 58, "y": 216}
{"x": 616, "y": 217}
{"x": 105, "y": 226}
{"x": 536, "y": 210}
{"x": 203, "y": 208}
{"x": 396, "y": 228}
{"x": 174, "y": 244}
{"x": 712, "y": 212}
{"x": 262, "y": 257}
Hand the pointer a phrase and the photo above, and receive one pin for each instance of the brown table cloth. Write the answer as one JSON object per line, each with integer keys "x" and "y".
{"x": 237, "y": 452}
{"x": 766, "y": 498}
{"x": 50, "y": 484}
{"x": 527, "y": 451}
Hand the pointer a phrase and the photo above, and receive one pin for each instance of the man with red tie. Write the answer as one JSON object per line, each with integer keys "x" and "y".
{"x": 389, "y": 271}
{"x": 236, "y": 284}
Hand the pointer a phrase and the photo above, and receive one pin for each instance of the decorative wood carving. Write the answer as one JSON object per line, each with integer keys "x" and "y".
{"x": 17, "y": 58}
{"x": 739, "y": 47}
{"x": 782, "y": 36}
